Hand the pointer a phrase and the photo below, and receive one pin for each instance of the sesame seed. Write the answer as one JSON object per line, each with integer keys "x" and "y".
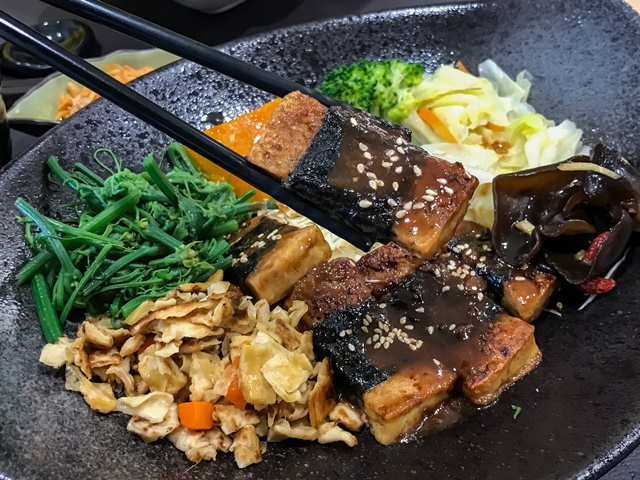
{"x": 352, "y": 348}
{"x": 460, "y": 287}
{"x": 452, "y": 327}
{"x": 409, "y": 327}
{"x": 364, "y": 329}
{"x": 430, "y": 192}
{"x": 380, "y": 183}
{"x": 430, "y": 330}
{"x": 559, "y": 305}
{"x": 417, "y": 170}
{"x": 483, "y": 258}
{"x": 386, "y": 345}
{"x": 420, "y": 309}
{"x": 377, "y": 345}
{"x": 400, "y": 150}
{"x": 472, "y": 273}
{"x": 399, "y": 141}
{"x": 392, "y": 202}
{"x": 390, "y": 153}
{"x": 278, "y": 237}
{"x": 446, "y": 288}
{"x": 418, "y": 205}
{"x": 480, "y": 296}
{"x": 413, "y": 347}
{"x": 442, "y": 181}
{"x": 394, "y": 158}
{"x": 438, "y": 363}
{"x": 363, "y": 147}
{"x": 401, "y": 213}
{"x": 455, "y": 274}
{"x": 367, "y": 155}
{"x": 519, "y": 278}
{"x": 383, "y": 305}
{"x": 368, "y": 342}
{"x": 428, "y": 198}
{"x": 395, "y": 186}
{"x": 376, "y": 337}
{"x": 398, "y": 169}
{"x": 342, "y": 333}
{"x": 480, "y": 265}
{"x": 387, "y": 164}
{"x": 349, "y": 331}
{"x": 385, "y": 327}
{"x": 449, "y": 190}
{"x": 371, "y": 175}
{"x": 373, "y": 184}
{"x": 408, "y": 206}
{"x": 365, "y": 203}
{"x": 353, "y": 121}
{"x": 244, "y": 259}
{"x": 368, "y": 318}
{"x": 403, "y": 320}
{"x": 360, "y": 168}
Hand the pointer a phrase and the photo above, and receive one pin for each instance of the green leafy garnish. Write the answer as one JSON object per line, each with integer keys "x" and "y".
{"x": 138, "y": 236}
{"x": 516, "y": 411}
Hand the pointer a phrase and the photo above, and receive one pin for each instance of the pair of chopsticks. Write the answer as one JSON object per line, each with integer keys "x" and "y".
{"x": 128, "y": 99}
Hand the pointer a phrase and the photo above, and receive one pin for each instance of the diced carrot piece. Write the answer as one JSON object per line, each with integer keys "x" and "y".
{"x": 196, "y": 415}
{"x": 460, "y": 66}
{"x": 495, "y": 128}
{"x": 234, "y": 394}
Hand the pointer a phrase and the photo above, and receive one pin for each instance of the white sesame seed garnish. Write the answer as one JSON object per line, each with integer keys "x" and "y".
{"x": 373, "y": 184}
{"x": 385, "y": 327}
{"x": 244, "y": 259}
{"x": 480, "y": 265}
{"x": 430, "y": 330}
{"x": 460, "y": 287}
{"x": 349, "y": 331}
{"x": 363, "y": 147}
{"x": 380, "y": 183}
{"x": 449, "y": 190}
{"x": 483, "y": 258}
{"x": 360, "y": 168}
{"x": 413, "y": 347}
{"x": 392, "y": 202}
{"x": 386, "y": 345}
{"x": 438, "y": 363}
{"x": 342, "y": 333}
{"x": 409, "y": 327}
{"x": 442, "y": 181}
{"x": 352, "y": 348}
{"x": 559, "y": 305}
{"x": 418, "y": 205}
{"x": 368, "y": 318}
{"x": 398, "y": 169}
{"x": 387, "y": 164}
{"x": 383, "y": 305}
{"x": 519, "y": 278}
{"x": 428, "y": 198}
{"x": 395, "y": 186}
{"x": 400, "y": 150}
{"x": 368, "y": 342}
{"x": 353, "y": 121}
{"x": 377, "y": 345}
{"x": 403, "y": 320}
{"x": 420, "y": 309}
{"x": 376, "y": 337}
{"x": 371, "y": 175}
{"x": 480, "y": 296}
{"x": 390, "y": 153}
{"x": 417, "y": 170}
{"x": 446, "y": 288}
{"x": 364, "y": 329}
{"x": 378, "y": 331}
{"x": 367, "y": 155}
{"x": 394, "y": 158}
{"x": 408, "y": 206}
{"x": 365, "y": 203}
{"x": 401, "y": 213}
{"x": 452, "y": 327}
{"x": 428, "y": 191}
{"x": 399, "y": 141}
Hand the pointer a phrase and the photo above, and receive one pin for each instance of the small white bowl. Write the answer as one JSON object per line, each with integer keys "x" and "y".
{"x": 41, "y": 102}
{"x": 210, "y": 6}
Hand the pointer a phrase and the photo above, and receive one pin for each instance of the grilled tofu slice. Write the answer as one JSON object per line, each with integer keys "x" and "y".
{"x": 437, "y": 336}
{"x": 270, "y": 257}
{"x": 366, "y": 173}
{"x": 397, "y": 405}
{"x": 287, "y": 134}
{"x": 523, "y": 292}
{"x": 508, "y": 351}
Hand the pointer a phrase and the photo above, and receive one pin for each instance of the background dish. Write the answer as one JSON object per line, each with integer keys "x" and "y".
{"x": 580, "y": 408}
{"x": 41, "y": 102}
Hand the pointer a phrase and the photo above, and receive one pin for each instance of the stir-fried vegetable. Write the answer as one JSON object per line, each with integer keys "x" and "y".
{"x": 197, "y": 416}
{"x": 138, "y": 236}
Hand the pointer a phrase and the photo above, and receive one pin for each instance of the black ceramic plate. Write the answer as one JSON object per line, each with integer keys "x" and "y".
{"x": 580, "y": 407}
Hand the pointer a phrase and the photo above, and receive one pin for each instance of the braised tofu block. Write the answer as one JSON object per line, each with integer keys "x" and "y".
{"x": 508, "y": 351}
{"x": 329, "y": 288}
{"x": 397, "y": 405}
{"x": 523, "y": 292}
{"x": 287, "y": 134}
{"x": 386, "y": 266}
{"x": 403, "y": 355}
{"x": 269, "y": 257}
{"x": 364, "y": 172}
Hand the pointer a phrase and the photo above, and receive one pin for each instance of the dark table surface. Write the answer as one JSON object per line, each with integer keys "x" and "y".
{"x": 252, "y": 17}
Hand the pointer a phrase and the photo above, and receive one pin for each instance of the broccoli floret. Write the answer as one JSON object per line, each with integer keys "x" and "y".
{"x": 375, "y": 87}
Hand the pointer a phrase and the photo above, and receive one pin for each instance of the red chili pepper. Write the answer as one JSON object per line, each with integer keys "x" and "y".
{"x": 594, "y": 248}
{"x": 597, "y": 285}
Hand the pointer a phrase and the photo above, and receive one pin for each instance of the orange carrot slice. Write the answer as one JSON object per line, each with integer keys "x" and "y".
{"x": 196, "y": 415}
{"x": 436, "y": 124}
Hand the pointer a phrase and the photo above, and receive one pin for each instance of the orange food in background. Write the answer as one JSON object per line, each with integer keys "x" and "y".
{"x": 239, "y": 135}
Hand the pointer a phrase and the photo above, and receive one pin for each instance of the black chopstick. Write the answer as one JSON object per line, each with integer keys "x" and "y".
{"x": 185, "y": 47}
{"x": 127, "y": 99}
